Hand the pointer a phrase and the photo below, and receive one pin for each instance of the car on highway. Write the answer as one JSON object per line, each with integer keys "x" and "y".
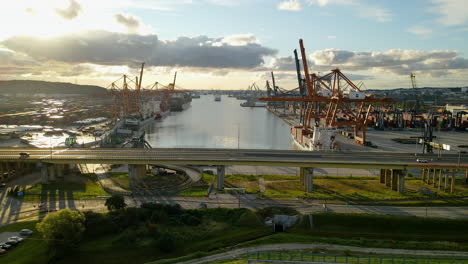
{"x": 421, "y": 160}
{"x": 2, "y": 185}
{"x": 24, "y": 155}
{"x": 26, "y": 232}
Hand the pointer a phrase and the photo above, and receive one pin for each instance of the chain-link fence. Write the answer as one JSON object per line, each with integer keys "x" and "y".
{"x": 304, "y": 257}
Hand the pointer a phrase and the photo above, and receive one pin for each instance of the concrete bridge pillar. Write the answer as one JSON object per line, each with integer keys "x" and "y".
{"x": 59, "y": 170}
{"x": 434, "y": 172}
{"x": 9, "y": 171}
{"x": 388, "y": 178}
{"x": 440, "y": 179}
{"x": 452, "y": 182}
{"x": 221, "y": 171}
{"x": 395, "y": 174}
{"x": 424, "y": 175}
{"x": 136, "y": 172}
{"x": 307, "y": 174}
{"x": 44, "y": 173}
{"x": 66, "y": 168}
{"x": 2, "y": 178}
{"x": 51, "y": 170}
{"x": 382, "y": 176}
{"x": 401, "y": 181}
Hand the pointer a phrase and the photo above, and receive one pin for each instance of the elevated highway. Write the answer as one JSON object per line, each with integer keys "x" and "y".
{"x": 283, "y": 158}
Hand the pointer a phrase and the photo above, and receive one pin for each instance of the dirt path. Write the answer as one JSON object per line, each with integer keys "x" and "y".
{"x": 237, "y": 253}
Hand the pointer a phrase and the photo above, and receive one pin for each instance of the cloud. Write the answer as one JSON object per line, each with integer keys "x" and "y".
{"x": 395, "y": 60}
{"x": 360, "y": 9}
{"x": 130, "y": 22}
{"x": 240, "y": 40}
{"x": 419, "y": 30}
{"x": 376, "y": 13}
{"x": 71, "y": 11}
{"x": 452, "y": 12}
{"x": 290, "y": 5}
{"x": 110, "y": 48}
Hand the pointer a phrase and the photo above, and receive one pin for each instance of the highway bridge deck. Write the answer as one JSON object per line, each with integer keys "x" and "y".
{"x": 284, "y": 158}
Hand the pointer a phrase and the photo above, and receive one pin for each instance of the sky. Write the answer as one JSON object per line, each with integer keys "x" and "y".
{"x": 229, "y": 44}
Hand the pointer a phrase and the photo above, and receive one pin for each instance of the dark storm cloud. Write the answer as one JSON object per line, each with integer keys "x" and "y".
{"x": 71, "y": 11}
{"x": 109, "y": 48}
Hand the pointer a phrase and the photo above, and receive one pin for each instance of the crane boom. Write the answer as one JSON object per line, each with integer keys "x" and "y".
{"x": 299, "y": 77}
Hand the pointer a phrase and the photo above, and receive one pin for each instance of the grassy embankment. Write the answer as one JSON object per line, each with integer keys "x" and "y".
{"x": 353, "y": 189}
{"x": 87, "y": 188}
{"x": 134, "y": 235}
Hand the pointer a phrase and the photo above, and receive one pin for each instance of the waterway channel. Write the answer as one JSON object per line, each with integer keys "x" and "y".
{"x": 210, "y": 124}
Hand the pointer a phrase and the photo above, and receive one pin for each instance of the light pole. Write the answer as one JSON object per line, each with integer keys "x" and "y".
{"x": 459, "y": 157}
{"x": 238, "y": 136}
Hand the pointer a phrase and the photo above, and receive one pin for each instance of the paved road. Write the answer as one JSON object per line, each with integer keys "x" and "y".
{"x": 12, "y": 210}
{"x": 282, "y": 158}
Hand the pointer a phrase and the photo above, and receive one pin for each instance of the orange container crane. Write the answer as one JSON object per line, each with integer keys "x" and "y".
{"x": 330, "y": 101}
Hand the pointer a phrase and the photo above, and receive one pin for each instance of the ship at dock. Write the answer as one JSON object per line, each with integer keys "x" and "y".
{"x": 135, "y": 107}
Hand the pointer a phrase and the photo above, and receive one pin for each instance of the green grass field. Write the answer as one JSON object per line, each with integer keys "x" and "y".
{"x": 121, "y": 178}
{"x": 87, "y": 188}
{"x": 361, "y": 189}
{"x": 200, "y": 189}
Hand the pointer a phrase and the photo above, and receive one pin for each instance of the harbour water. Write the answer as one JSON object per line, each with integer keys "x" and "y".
{"x": 225, "y": 124}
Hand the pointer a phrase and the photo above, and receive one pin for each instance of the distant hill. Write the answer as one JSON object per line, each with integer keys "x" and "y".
{"x": 37, "y": 87}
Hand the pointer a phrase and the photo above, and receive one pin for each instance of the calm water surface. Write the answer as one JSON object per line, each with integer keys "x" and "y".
{"x": 225, "y": 124}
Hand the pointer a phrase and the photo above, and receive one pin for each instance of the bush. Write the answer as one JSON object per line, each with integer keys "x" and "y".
{"x": 166, "y": 242}
{"x": 249, "y": 219}
{"x": 115, "y": 202}
{"x": 171, "y": 209}
{"x": 271, "y": 211}
{"x": 63, "y": 229}
{"x": 224, "y": 214}
{"x": 98, "y": 224}
{"x": 159, "y": 216}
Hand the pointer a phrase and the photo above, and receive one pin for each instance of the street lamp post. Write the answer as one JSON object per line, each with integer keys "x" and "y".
{"x": 238, "y": 136}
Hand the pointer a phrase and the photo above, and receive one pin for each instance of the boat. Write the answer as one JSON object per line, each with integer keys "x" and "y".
{"x": 217, "y": 98}
{"x": 318, "y": 138}
{"x": 179, "y": 102}
{"x": 253, "y": 103}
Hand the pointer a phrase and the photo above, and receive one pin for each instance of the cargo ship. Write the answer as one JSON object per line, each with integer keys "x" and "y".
{"x": 217, "y": 98}
{"x": 179, "y": 102}
{"x": 314, "y": 139}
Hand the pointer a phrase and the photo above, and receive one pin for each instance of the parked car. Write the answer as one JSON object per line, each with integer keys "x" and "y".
{"x": 12, "y": 242}
{"x": 5, "y": 246}
{"x": 16, "y": 238}
{"x": 2, "y": 251}
{"x": 26, "y": 232}
{"x": 2, "y": 185}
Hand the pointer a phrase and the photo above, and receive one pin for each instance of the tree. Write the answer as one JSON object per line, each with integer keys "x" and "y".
{"x": 115, "y": 202}
{"x": 63, "y": 228}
